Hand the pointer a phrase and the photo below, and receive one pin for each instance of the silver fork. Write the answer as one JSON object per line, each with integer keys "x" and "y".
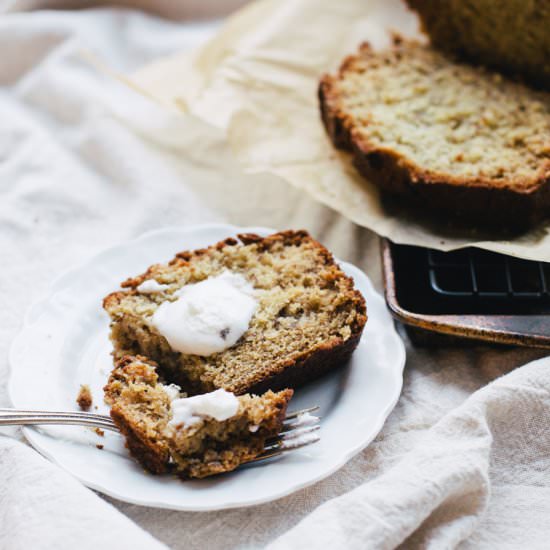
{"x": 299, "y": 427}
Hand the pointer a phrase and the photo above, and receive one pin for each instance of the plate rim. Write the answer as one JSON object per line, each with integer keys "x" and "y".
{"x": 33, "y": 436}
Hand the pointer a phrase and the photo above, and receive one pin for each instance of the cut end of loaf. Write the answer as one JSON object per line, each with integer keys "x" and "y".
{"x": 441, "y": 116}
{"x": 441, "y": 132}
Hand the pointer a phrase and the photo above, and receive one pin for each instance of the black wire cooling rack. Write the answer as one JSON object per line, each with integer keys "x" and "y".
{"x": 467, "y": 282}
{"x": 478, "y": 274}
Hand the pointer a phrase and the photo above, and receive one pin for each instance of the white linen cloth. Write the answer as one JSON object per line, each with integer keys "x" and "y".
{"x": 449, "y": 468}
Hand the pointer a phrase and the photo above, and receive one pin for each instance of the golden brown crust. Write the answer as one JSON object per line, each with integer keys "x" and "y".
{"x": 288, "y": 237}
{"x": 151, "y": 452}
{"x": 310, "y": 366}
{"x": 151, "y": 455}
{"x": 519, "y": 202}
{"x": 511, "y": 36}
{"x": 302, "y": 367}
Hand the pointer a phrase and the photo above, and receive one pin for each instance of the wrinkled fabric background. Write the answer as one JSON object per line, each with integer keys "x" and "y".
{"x": 79, "y": 171}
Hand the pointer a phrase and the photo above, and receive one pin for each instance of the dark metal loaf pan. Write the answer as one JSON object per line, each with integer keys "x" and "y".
{"x": 446, "y": 298}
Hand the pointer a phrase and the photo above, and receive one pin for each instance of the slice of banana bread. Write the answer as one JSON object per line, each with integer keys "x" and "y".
{"x": 140, "y": 407}
{"x": 447, "y": 136}
{"x": 144, "y": 410}
{"x": 309, "y": 317}
{"x": 512, "y": 36}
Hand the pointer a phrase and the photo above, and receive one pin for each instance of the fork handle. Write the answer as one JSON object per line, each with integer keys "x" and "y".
{"x": 76, "y": 414}
{"x": 14, "y": 417}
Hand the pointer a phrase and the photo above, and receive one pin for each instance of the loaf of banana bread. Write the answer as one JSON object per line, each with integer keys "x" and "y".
{"x": 459, "y": 140}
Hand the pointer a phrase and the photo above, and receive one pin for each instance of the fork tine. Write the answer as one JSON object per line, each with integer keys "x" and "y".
{"x": 291, "y": 444}
{"x": 294, "y": 436}
{"x": 312, "y": 421}
{"x": 295, "y": 414}
{"x": 277, "y": 449}
{"x": 291, "y": 435}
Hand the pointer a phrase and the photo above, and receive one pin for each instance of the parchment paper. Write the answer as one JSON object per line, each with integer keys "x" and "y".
{"x": 257, "y": 80}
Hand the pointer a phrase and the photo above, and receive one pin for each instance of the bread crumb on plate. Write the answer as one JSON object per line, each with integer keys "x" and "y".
{"x": 84, "y": 397}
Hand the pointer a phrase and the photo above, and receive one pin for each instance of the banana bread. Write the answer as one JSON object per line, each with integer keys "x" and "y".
{"x": 456, "y": 139}
{"x": 512, "y": 36}
{"x": 144, "y": 409}
{"x": 309, "y": 317}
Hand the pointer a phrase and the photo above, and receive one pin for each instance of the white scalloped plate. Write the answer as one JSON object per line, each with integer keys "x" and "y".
{"x": 64, "y": 343}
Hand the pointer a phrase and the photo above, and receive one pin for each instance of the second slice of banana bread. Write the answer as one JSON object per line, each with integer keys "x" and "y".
{"x": 458, "y": 140}
{"x": 142, "y": 408}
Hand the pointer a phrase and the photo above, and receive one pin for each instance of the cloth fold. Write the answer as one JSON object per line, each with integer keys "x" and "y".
{"x": 439, "y": 495}
{"x": 39, "y": 501}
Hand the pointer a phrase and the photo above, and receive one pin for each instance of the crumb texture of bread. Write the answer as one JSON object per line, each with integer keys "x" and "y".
{"x": 213, "y": 447}
{"x": 309, "y": 317}
{"x": 448, "y": 134}
{"x": 84, "y": 398}
{"x": 141, "y": 408}
{"x": 512, "y": 36}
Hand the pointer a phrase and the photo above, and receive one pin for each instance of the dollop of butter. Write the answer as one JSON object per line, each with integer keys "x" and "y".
{"x": 172, "y": 390}
{"x": 207, "y": 317}
{"x": 150, "y": 286}
{"x": 219, "y": 404}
